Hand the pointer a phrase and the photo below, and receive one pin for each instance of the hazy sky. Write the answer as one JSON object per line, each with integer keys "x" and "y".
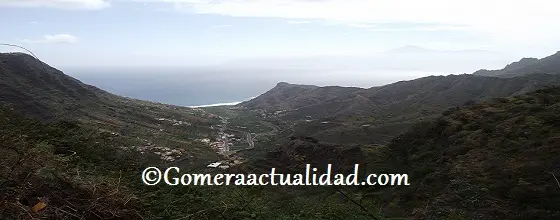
{"x": 199, "y": 32}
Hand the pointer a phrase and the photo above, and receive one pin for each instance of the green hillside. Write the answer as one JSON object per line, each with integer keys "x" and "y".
{"x": 491, "y": 160}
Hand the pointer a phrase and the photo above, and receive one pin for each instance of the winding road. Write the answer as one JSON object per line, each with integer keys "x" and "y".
{"x": 251, "y": 137}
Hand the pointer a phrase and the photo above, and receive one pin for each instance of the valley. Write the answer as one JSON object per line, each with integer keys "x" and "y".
{"x": 490, "y": 142}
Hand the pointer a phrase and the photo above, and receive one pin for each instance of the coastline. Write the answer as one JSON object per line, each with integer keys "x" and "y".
{"x": 221, "y": 104}
{"x": 217, "y": 104}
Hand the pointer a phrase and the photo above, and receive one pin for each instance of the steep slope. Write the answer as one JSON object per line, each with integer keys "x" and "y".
{"x": 40, "y": 90}
{"x": 492, "y": 160}
{"x": 36, "y": 164}
{"x": 37, "y": 90}
{"x": 548, "y": 65}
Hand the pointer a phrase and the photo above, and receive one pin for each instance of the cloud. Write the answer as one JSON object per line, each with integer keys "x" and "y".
{"x": 401, "y": 26}
{"x": 53, "y": 39}
{"x": 363, "y": 25}
{"x": 418, "y": 28}
{"x": 509, "y": 20}
{"x": 222, "y": 26}
{"x": 61, "y": 4}
{"x": 299, "y": 22}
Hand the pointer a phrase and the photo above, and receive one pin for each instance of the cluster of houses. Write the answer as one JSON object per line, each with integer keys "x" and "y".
{"x": 225, "y": 164}
{"x": 203, "y": 113}
{"x": 223, "y": 147}
{"x": 165, "y": 153}
{"x": 174, "y": 122}
{"x": 266, "y": 114}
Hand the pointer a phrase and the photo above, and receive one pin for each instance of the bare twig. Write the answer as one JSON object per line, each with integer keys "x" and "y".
{"x": 128, "y": 200}
{"x": 119, "y": 182}
{"x": 67, "y": 212}
{"x": 357, "y": 204}
{"x": 557, "y": 182}
{"x": 139, "y": 214}
{"x": 190, "y": 215}
{"x": 24, "y": 209}
{"x": 226, "y": 208}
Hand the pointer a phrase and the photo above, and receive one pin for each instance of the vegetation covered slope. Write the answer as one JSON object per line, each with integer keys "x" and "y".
{"x": 37, "y": 90}
{"x": 75, "y": 172}
{"x": 525, "y": 66}
{"x": 377, "y": 114}
{"x": 492, "y": 160}
{"x": 81, "y": 173}
{"x": 496, "y": 159}
{"x": 40, "y": 90}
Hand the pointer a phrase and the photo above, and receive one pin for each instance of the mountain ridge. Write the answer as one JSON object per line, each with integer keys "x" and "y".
{"x": 27, "y": 83}
{"x": 396, "y": 104}
{"x": 525, "y": 66}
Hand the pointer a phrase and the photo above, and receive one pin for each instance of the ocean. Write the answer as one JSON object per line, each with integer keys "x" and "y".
{"x": 199, "y": 86}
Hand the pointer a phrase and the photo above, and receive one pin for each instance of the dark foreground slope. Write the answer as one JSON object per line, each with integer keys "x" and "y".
{"x": 75, "y": 172}
{"x": 492, "y": 160}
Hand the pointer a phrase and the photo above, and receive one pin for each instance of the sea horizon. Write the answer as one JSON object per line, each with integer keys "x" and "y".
{"x": 195, "y": 87}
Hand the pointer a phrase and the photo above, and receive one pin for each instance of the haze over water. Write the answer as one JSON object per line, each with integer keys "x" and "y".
{"x": 195, "y": 87}
{"x": 240, "y": 80}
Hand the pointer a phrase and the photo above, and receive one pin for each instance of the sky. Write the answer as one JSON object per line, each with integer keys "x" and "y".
{"x": 107, "y": 33}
